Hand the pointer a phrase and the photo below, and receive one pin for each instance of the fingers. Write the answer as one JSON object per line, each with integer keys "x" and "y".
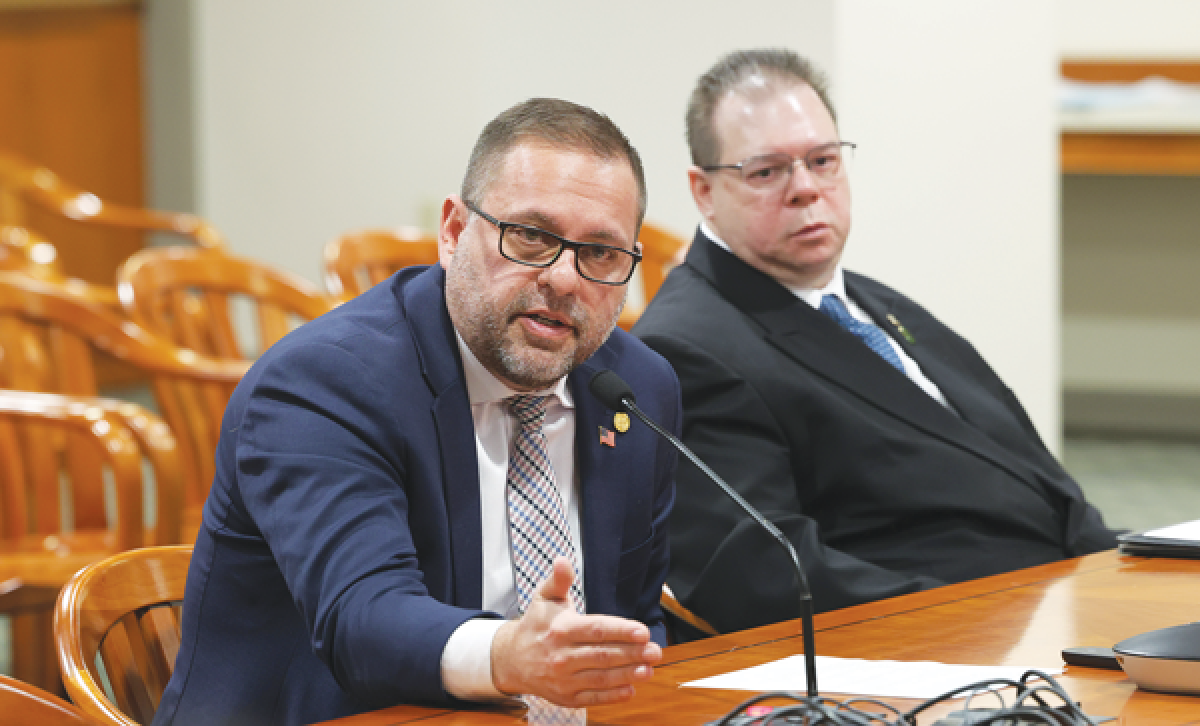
{"x": 584, "y": 629}
{"x": 558, "y": 584}
{"x": 607, "y": 658}
{"x": 594, "y": 687}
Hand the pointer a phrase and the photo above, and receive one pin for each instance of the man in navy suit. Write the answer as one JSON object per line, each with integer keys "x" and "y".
{"x": 360, "y": 542}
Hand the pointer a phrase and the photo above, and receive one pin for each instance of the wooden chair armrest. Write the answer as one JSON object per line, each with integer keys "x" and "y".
{"x": 676, "y": 609}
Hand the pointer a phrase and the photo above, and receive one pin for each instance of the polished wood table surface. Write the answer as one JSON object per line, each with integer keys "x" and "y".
{"x": 1023, "y": 618}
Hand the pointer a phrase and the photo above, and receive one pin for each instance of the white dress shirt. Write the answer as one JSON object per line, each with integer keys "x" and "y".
{"x": 837, "y": 286}
{"x": 466, "y": 659}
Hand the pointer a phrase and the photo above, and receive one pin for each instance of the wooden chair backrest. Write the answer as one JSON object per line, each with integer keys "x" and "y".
{"x": 191, "y": 297}
{"x": 24, "y": 250}
{"x": 660, "y": 252}
{"x": 22, "y": 703}
{"x": 50, "y": 336}
{"x": 125, "y": 612}
{"x": 357, "y": 261}
{"x": 23, "y": 183}
{"x": 34, "y": 430}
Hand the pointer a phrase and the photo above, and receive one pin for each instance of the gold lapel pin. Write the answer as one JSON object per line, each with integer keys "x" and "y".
{"x": 621, "y": 422}
{"x": 900, "y": 328}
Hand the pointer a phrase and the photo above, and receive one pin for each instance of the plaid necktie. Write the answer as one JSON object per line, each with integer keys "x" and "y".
{"x": 537, "y": 524}
{"x": 870, "y": 334}
{"x": 537, "y": 532}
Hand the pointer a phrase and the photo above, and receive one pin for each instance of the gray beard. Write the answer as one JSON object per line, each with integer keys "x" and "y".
{"x": 486, "y": 331}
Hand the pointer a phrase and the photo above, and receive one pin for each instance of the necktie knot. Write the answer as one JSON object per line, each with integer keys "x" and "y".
{"x": 833, "y": 306}
{"x": 869, "y": 333}
{"x": 529, "y": 410}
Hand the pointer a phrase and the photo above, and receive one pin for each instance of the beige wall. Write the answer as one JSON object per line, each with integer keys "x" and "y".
{"x": 1107, "y": 29}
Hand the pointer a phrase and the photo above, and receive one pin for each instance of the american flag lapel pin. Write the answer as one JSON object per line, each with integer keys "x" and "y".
{"x": 608, "y": 438}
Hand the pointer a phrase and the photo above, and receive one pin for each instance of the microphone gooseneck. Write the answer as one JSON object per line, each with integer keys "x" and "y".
{"x": 614, "y": 392}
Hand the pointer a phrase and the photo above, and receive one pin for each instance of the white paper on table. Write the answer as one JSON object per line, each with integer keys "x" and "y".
{"x": 1184, "y": 531}
{"x": 890, "y": 678}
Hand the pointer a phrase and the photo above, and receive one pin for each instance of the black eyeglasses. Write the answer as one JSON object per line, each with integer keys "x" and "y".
{"x": 772, "y": 171}
{"x": 535, "y": 247}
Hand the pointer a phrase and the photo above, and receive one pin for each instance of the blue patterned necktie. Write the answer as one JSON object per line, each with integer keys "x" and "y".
{"x": 870, "y": 334}
{"x": 537, "y": 523}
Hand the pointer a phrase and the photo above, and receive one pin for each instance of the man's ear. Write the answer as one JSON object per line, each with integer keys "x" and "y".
{"x": 454, "y": 221}
{"x": 701, "y": 186}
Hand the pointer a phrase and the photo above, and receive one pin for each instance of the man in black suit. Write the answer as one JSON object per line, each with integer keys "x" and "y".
{"x": 877, "y": 439}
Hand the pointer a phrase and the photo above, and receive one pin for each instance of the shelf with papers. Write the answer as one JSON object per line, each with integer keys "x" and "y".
{"x": 1130, "y": 141}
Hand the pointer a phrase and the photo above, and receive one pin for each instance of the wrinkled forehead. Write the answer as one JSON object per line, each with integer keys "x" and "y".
{"x": 783, "y": 110}
{"x": 568, "y": 189}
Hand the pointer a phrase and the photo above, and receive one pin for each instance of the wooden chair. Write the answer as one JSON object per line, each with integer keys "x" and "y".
{"x": 22, "y": 703}
{"x": 117, "y": 630}
{"x": 57, "y": 456}
{"x": 50, "y": 339}
{"x": 357, "y": 261}
{"x": 675, "y": 609}
{"x": 660, "y": 252}
{"x": 194, "y": 297}
{"x": 24, "y": 250}
{"x": 24, "y": 183}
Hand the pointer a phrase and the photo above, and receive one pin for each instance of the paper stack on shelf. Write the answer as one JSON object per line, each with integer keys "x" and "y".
{"x": 1151, "y": 105}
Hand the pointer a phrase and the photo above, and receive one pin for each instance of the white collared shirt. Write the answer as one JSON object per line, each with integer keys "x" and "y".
{"x": 837, "y": 286}
{"x": 466, "y": 659}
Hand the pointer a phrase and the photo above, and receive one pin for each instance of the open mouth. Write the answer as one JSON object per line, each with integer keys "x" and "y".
{"x": 543, "y": 325}
{"x": 546, "y": 321}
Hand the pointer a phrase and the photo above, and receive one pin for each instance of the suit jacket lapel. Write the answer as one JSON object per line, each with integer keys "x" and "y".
{"x": 437, "y": 347}
{"x": 602, "y": 469}
{"x": 829, "y": 351}
{"x": 883, "y": 310}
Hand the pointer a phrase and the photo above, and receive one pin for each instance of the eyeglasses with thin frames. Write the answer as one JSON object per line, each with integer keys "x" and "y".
{"x": 527, "y": 245}
{"x": 826, "y": 163}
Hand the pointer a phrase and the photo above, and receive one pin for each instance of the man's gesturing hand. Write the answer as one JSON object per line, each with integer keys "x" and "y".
{"x": 570, "y": 659}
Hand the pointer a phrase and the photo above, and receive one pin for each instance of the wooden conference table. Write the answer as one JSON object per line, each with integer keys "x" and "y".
{"x": 1021, "y": 618}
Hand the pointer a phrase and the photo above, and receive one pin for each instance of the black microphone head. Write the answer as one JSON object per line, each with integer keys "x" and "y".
{"x": 611, "y": 389}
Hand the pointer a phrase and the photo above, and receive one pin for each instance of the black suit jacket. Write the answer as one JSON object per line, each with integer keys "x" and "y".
{"x": 881, "y": 489}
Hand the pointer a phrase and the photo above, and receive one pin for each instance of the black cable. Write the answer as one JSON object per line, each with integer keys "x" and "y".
{"x": 1030, "y": 705}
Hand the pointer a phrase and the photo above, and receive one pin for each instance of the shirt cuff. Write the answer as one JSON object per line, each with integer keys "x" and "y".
{"x": 467, "y": 661}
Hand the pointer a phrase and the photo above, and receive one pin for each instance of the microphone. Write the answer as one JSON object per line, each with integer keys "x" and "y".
{"x": 615, "y": 393}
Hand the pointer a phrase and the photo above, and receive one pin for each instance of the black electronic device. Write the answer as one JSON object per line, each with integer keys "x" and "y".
{"x": 1091, "y": 657}
{"x": 615, "y": 393}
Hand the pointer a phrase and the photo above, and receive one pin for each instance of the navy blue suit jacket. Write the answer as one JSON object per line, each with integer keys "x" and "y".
{"x": 341, "y": 541}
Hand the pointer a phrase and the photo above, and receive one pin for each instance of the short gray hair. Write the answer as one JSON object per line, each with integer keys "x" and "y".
{"x": 555, "y": 123}
{"x": 731, "y": 72}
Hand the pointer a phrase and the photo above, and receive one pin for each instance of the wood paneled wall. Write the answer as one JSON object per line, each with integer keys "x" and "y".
{"x": 71, "y": 99}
